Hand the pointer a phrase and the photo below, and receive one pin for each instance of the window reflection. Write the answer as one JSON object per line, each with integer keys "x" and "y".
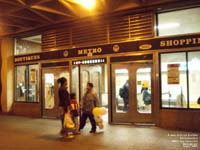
{"x": 194, "y": 78}
{"x": 26, "y": 83}
{"x": 144, "y": 98}
{"x": 49, "y": 91}
{"x": 174, "y": 80}
{"x": 27, "y": 45}
{"x": 96, "y": 74}
{"x": 122, "y": 90}
{"x": 179, "y": 22}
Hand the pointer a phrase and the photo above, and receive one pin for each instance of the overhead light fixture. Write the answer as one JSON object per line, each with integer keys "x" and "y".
{"x": 168, "y": 25}
{"x": 89, "y": 4}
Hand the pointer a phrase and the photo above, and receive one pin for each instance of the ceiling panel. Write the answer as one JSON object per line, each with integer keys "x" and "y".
{"x": 29, "y": 14}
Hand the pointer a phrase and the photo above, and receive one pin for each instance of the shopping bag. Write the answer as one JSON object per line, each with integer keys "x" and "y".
{"x": 98, "y": 112}
{"x": 99, "y": 122}
{"x": 68, "y": 123}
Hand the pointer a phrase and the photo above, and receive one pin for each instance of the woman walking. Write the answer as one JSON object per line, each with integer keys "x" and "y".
{"x": 64, "y": 101}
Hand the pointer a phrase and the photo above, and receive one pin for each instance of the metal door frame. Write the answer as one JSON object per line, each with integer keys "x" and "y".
{"x": 132, "y": 116}
{"x": 52, "y": 113}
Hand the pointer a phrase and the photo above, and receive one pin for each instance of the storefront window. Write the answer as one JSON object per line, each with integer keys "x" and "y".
{"x": 179, "y": 22}
{"x": 194, "y": 79}
{"x": 180, "y": 80}
{"x": 143, "y": 84}
{"x": 49, "y": 91}
{"x": 75, "y": 82}
{"x": 174, "y": 80}
{"x": 122, "y": 90}
{"x": 27, "y": 45}
{"x": 26, "y": 83}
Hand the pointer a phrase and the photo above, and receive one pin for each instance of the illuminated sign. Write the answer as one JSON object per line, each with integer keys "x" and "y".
{"x": 26, "y": 58}
{"x": 145, "y": 46}
{"x": 89, "y": 51}
{"x": 180, "y": 42}
{"x": 89, "y": 61}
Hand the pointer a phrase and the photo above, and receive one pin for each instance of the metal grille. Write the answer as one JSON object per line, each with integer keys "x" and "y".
{"x": 91, "y": 32}
{"x": 141, "y": 26}
{"x": 98, "y": 31}
{"x": 119, "y": 29}
{"x": 56, "y": 38}
{"x": 49, "y": 40}
{"x": 63, "y": 38}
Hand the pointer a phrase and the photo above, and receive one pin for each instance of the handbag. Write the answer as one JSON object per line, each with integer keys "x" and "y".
{"x": 68, "y": 123}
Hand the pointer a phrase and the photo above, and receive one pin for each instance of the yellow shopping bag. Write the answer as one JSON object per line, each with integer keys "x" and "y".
{"x": 68, "y": 123}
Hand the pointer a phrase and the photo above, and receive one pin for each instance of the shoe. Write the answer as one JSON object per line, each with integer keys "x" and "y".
{"x": 92, "y": 131}
{"x": 62, "y": 131}
{"x": 77, "y": 132}
{"x": 70, "y": 136}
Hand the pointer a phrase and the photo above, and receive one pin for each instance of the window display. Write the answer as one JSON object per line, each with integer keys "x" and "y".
{"x": 26, "y": 83}
{"x": 180, "y": 79}
{"x": 194, "y": 79}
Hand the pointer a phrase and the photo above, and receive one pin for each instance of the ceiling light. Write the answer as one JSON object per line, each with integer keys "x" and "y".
{"x": 89, "y": 4}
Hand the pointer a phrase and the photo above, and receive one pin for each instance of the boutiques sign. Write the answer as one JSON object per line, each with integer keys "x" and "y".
{"x": 27, "y": 58}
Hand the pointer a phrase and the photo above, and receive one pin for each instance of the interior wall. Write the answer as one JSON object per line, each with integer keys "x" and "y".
{"x": 180, "y": 119}
{"x": 7, "y": 73}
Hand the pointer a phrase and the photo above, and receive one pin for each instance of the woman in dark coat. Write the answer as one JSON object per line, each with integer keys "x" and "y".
{"x": 64, "y": 101}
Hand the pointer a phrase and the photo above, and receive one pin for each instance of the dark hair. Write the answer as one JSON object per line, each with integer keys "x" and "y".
{"x": 62, "y": 80}
{"x": 198, "y": 100}
{"x": 90, "y": 84}
{"x": 72, "y": 95}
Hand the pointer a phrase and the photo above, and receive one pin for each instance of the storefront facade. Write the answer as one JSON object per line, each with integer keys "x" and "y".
{"x": 165, "y": 65}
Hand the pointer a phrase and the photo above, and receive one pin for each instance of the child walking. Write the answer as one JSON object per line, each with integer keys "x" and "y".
{"x": 74, "y": 112}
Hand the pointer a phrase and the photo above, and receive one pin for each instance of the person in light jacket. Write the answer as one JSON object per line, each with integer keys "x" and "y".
{"x": 89, "y": 101}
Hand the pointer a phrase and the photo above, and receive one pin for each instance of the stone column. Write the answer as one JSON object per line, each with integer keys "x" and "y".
{"x": 6, "y": 70}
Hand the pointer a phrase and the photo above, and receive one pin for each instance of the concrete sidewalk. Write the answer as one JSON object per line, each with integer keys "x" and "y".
{"x": 20, "y": 133}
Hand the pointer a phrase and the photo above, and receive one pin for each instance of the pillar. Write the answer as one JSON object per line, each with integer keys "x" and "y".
{"x": 6, "y": 72}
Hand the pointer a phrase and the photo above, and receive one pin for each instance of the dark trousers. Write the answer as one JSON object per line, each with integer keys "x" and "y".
{"x": 83, "y": 119}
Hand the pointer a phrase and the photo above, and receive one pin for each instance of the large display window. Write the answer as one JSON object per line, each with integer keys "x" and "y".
{"x": 27, "y": 83}
{"x": 178, "y": 22}
{"x": 26, "y": 45}
{"x": 180, "y": 79}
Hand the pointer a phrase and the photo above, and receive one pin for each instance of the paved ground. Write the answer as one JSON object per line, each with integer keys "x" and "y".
{"x": 20, "y": 133}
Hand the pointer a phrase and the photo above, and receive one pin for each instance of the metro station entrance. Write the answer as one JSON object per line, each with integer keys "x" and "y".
{"x": 97, "y": 75}
{"x": 94, "y": 71}
{"x": 132, "y": 99}
{"x": 50, "y": 88}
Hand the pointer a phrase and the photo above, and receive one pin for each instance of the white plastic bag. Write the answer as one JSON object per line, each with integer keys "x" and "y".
{"x": 99, "y": 122}
{"x": 68, "y": 123}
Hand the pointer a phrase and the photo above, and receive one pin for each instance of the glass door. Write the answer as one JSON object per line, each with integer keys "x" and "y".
{"x": 121, "y": 93}
{"x": 50, "y": 90}
{"x": 96, "y": 74}
{"x": 131, "y": 93}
